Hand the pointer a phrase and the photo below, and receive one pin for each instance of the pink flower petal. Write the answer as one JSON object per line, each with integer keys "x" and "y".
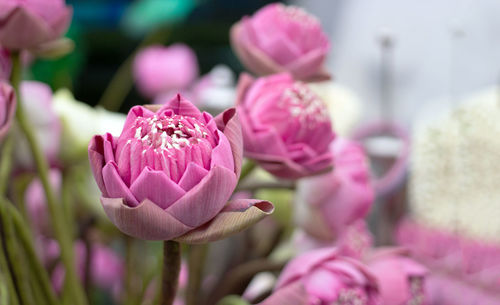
{"x": 228, "y": 122}
{"x": 114, "y": 185}
{"x": 236, "y": 216}
{"x": 145, "y": 221}
{"x": 206, "y": 199}
{"x": 157, "y": 187}
{"x": 192, "y": 176}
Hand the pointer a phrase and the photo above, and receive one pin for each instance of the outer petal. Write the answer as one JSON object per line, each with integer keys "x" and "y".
{"x": 309, "y": 65}
{"x": 229, "y": 123}
{"x": 254, "y": 59}
{"x": 115, "y": 187}
{"x": 206, "y": 199}
{"x": 145, "y": 221}
{"x": 97, "y": 158}
{"x": 235, "y": 217}
{"x": 293, "y": 294}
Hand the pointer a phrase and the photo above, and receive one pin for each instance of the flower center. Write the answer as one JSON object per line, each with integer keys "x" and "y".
{"x": 304, "y": 105}
{"x": 416, "y": 291}
{"x": 351, "y": 297}
{"x": 170, "y": 133}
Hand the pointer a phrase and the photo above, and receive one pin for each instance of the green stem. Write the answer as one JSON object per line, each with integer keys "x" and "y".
{"x": 35, "y": 265}
{"x": 122, "y": 81}
{"x": 13, "y": 257}
{"x": 60, "y": 228}
{"x": 171, "y": 270}
{"x": 196, "y": 262}
{"x": 247, "y": 169}
{"x": 6, "y": 274}
{"x": 5, "y": 165}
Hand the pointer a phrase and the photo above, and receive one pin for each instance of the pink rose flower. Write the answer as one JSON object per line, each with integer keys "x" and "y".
{"x": 7, "y": 107}
{"x": 159, "y": 69}
{"x": 329, "y": 203}
{"x": 26, "y": 24}
{"x": 286, "y": 127}
{"x": 172, "y": 171}
{"x": 37, "y": 98}
{"x": 322, "y": 277}
{"x": 279, "y": 38}
{"x": 401, "y": 280}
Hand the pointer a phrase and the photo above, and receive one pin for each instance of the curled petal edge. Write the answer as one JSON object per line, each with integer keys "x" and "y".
{"x": 235, "y": 217}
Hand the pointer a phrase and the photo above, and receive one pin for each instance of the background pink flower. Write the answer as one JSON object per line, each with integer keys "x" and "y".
{"x": 159, "y": 69}
{"x": 279, "y": 38}
{"x": 401, "y": 280}
{"x": 324, "y": 277}
{"x": 286, "y": 127}
{"x": 26, "y": 24}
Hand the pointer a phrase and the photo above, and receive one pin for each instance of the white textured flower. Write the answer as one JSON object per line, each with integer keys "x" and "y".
{"x": 81, "y": 122}
{"x": 343, "y": 105}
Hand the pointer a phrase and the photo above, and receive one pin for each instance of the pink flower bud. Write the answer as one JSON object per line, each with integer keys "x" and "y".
{"x": 280, "y": 38}
{"x": 171, "y": 171}
{"x": 323, "y": 277}
{"x": 26, "y": 24}
{"x": 160, "y": 69}
{"x": 286, "y": 127}
{"x": 7, "y": 107}
{"x": 329, "y": 203}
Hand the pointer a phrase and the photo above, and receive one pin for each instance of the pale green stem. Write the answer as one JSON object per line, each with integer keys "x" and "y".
{"x": 36, "y": 266}
{"x": 12, "y": 255}
{"x": 60, "y": 228}
{"x": 5, "y": 165}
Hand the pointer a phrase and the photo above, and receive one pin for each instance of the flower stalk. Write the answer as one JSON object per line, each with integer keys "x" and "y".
{"x": 170, "y": 272}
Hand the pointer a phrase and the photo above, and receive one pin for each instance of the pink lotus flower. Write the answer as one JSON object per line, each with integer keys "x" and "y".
{"x": 401, "y": 279}
{"x": 159, "y": 69}
{"x": 280, "y": 38}
{"x": 322, "y": 277}
{"x": 286, "y": 127}
{"x": 26, "y": 24}
{"x": 7, "y": 107}
{"x": 329, "y": 203}
{"x": 172, "y": 171}
{"x": 37, "y": 98}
